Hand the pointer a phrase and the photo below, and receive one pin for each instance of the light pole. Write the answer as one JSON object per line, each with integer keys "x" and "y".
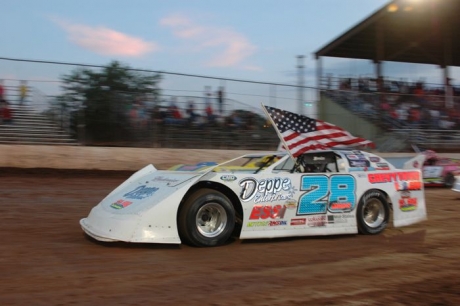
{"x": 300, "y": 97}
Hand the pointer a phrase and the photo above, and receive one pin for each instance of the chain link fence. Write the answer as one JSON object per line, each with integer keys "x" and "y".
{"x": 186, "y": 113}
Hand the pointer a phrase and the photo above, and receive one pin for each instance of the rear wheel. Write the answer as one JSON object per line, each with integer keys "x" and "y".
{"x": 449, "y": 180}
{"x": 373, "y": 213}
{"x": 206, "y": 219}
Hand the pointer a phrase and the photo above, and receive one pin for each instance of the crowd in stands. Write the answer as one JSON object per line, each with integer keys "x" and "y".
{"x": 21, "y": 93}
{"x": 189, "y": 114}
{"x": 400, "y": 104}
{"x": 6, "y": 116}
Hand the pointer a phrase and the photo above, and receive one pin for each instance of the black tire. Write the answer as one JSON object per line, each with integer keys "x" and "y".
{"x": 449, "y": 180}
{"x": 373, "y": 213}
{"x": 206, "y": 219}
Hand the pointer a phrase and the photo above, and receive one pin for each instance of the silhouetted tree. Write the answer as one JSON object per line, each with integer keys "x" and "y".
{"x": 102, "y": 98}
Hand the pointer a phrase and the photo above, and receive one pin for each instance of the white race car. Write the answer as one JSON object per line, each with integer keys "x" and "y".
{"x": 326, "y": 192}
{"x": 456, "y": 185}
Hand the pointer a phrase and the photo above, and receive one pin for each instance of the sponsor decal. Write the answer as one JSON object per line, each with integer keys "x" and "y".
{"x": 267, "y": 212}
{"x": 382, "y": 166}
{"x": 315, "y": 221}
{"x": 432, "y": 171}
{"x": 410, "y": 180}
{"x": 415, "y": 164}
{"x": 337, "y": 206}
{"x": 228, "y": 178}
{"x": 375, "y": 178}
{"x": 120, "y": 204}
{"x": 277, "y": 223}
{"x": 189, "y": 168}
{"x": 266, "y": 190}
{"x": 164, "y": 179}
{"x": 319, "y": 158}
{"x": 405, "y": 194}
{"x": 298, "y": 221}
{"x": 408, "y": 185}
{"x": 362, "y": 169}
{"x": 352, "y": 157}
{"x": 291, "y": 204}
{"x": 339, "y": 218}
{"x": 266, "y": 223}
{"x": 363, "y": 163}
{"x": 141, "y": 192}
{"x": 374, "y": 159}
{"x": 408, "y": 204}
{"x": 357, "y": 160}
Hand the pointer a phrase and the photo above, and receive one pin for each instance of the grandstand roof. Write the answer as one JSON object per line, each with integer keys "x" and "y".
{"x": 410, "y": 31}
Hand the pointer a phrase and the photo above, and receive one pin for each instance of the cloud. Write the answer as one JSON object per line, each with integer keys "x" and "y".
{"x": 232, "y": 47}
{"x": 105, "y": 41}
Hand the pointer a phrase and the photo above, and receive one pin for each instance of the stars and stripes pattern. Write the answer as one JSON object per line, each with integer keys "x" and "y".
{"x": 302, "y": 134}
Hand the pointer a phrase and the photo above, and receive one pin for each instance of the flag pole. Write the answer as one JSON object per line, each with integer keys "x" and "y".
{"x": 277, "y": 132}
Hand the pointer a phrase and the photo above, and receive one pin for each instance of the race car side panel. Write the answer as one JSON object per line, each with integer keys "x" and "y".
{"x": 293, "y": 204}
{"x": 405, "y": 188}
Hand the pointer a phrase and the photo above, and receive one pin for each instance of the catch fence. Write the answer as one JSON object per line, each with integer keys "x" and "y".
{"x": 148, "y": 120}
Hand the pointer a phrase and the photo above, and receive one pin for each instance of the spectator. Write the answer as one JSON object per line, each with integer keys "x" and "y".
{"x": 250, "y": 121}
{"x": 142, "y": 112}
{"x": 191, "y": 114}
{"x": 220, "y": 100}
{"x": 134, "y": 116}
{"x": 158, "y": 115}
{"x": 425, "y": 118}
{"x": 449, "y": 94}
{"x": 207, "y": 95}
{"x": 445, "y": 123}
{"x": 233, "y": 122}
{"x": 23, "y": 90}
{"x": 210, "y": 117}
{"x": 174, "y": 115}
{"x": 5, "y": 111}
{"x": 434, "y": 116}
{"x": 402, "y": 113}
{"x": 2, "y": 91}
{"x": 454, "y": 115}
{"x": 414, "y": 116}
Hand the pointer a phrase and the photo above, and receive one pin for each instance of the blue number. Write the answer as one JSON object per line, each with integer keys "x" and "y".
{"x": 342, "y": 193}
{"x": 336, "y": 193}
{"x": 313, "y": 201}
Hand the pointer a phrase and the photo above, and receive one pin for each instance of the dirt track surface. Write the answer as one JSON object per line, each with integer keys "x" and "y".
{"x": 47, "y": 260}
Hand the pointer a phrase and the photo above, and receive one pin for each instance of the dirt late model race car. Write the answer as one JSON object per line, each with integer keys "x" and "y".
{"x": 318, "y": 193}
{"x": 439, "y": 171}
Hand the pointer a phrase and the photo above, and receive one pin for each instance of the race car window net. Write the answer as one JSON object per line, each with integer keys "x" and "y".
{"x": 316, "y": 163}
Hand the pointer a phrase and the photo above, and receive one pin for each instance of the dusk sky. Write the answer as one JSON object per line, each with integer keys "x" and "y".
{"x": 250, "y": 40}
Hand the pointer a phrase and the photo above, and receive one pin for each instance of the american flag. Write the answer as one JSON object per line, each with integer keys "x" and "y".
{"x": 302, "y": 134}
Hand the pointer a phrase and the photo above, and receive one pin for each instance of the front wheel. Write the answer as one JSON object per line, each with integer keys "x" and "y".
{"x": 373, "y": 213}
{"x": 206, "y": 219}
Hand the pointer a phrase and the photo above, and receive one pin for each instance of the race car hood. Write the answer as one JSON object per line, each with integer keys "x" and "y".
{"x": 141, "y": 209}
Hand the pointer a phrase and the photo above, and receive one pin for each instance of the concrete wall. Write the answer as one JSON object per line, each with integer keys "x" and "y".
{"x": 109, "y": 158}
{"x": 332, "y": 112}
{"x": 105, "y": 158}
